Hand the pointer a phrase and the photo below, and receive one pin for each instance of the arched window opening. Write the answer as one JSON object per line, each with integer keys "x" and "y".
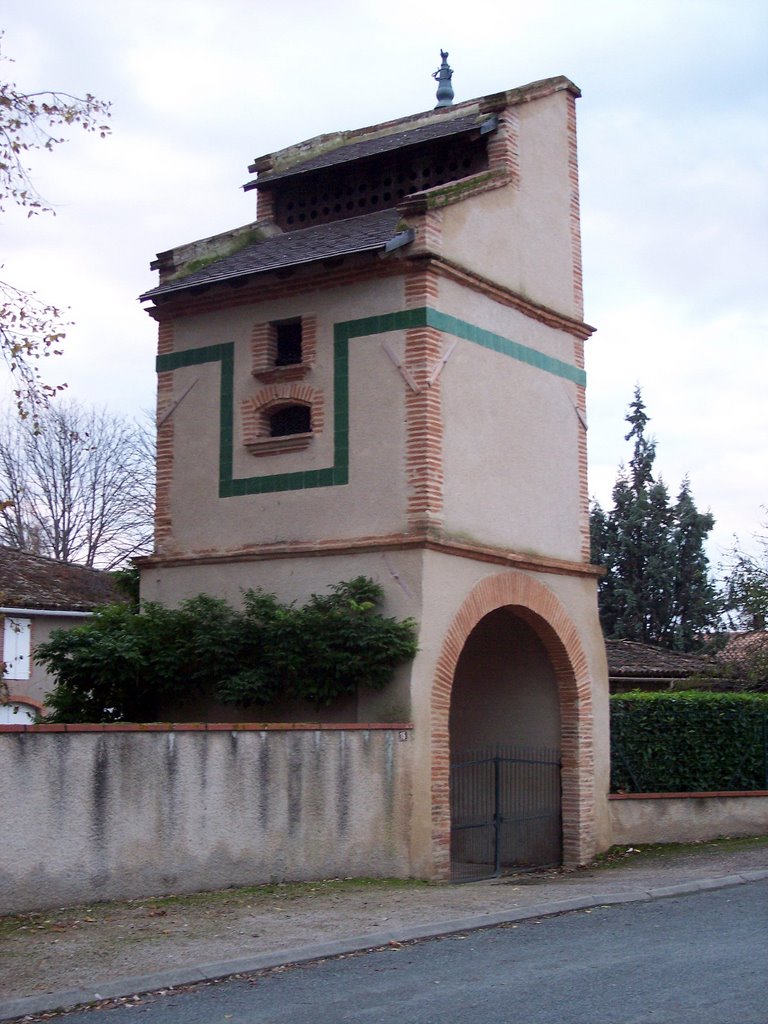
{"x": 290, "y": 419}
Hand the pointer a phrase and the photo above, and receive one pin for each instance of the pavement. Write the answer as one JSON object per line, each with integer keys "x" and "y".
{"x": 333, "y": 923}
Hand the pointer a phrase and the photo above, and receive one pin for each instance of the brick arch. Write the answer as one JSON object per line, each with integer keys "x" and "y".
{"x": 540, "y": 608}
{"x": 255, "y": 410}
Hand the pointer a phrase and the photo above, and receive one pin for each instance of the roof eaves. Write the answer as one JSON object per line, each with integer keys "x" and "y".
{"x": 175, "y": 287}
{"x": 358, "y": 150}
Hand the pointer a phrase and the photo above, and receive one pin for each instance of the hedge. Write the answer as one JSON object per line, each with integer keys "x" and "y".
{"x": 689, "y": 742}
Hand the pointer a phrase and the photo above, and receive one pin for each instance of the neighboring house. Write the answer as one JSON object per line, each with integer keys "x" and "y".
{"x": 635, "y": 666}
{"x": 383, "y": 375}
{"x": 745, "y": 658}
{"x": 38, "y": 595}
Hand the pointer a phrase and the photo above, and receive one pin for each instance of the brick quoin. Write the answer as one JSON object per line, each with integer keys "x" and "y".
{"x": 581, "y": 405}
{"x": 422, "y": 288}
{"x": 504, "y": 147}
{"x": 424, "y": 429}
{"x": 164, "y": 456}
{"x": 573, "y": 175}
{"x": 265, "y": 206}
{"x": 539, "y": 607}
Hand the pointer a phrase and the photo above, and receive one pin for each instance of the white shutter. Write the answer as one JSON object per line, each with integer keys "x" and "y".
{"x": 16, "y": 714}
{"x": 16, "y": 647}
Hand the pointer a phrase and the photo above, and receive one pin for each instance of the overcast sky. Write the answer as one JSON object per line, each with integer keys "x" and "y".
{"x": 673, "y": 144}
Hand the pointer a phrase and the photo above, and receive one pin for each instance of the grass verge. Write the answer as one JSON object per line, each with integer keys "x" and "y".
{"x": 617, "y": 856}
{"x": 92, "y": 914}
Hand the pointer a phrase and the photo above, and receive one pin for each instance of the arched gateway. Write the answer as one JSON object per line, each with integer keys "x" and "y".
{"x": 504, "y": 615}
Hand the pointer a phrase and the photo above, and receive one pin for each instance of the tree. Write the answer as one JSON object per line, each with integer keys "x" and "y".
{"x": 79, "y": 487}
{"x": 131, "y": 665}
{"x": 745, "y": 590}
{"x": 657, "y": 587}
{"x": 746, "y": 583}
{"x": 30, "y": 329}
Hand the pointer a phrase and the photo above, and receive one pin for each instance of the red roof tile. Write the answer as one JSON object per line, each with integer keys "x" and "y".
{"x": 31, "y": 581}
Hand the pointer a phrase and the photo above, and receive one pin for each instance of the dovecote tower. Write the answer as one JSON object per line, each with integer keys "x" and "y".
{"x": 383, "y": 375}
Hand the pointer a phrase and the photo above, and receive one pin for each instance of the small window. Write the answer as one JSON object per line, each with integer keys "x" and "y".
{"x": 290, "y": 419}
{"x": 288, "y": 343}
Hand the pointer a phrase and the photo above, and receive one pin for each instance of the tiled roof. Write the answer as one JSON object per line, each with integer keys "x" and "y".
{"x": 338, "y": 238}
{"x": 742, "y": 649}
{"x": 31, "y": 581}
{"x": 440, "y": 129}
{"x": 628, "y": 659}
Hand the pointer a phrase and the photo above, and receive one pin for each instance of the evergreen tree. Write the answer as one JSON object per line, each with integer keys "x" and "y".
{"x": 656, "y": 589}
{"x": 696, "y": 601}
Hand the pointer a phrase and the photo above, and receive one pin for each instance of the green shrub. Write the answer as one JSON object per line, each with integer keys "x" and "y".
{"x": 688, "y": 742}
{"x": 124, "y": 665}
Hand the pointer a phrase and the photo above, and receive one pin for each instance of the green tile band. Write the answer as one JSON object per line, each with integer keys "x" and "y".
{"x": 343, "y": 332}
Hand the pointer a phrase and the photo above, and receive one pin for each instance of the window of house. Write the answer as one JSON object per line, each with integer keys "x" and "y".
{"x": 17, "y": 633}
{"x": 290, "y": 419}
{"x": 17, "y": 713}
{"x": 288, "y": 347}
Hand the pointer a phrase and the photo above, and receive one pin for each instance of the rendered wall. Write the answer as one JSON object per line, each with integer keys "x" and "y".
{"x": 103, "y": 813}
{"x": 525, "y": 235}
{"x": 294, "y": 579}
{"x": 358, "y": 384}
{"x": 687, "y": 818}
{"x": 511, "y": 426}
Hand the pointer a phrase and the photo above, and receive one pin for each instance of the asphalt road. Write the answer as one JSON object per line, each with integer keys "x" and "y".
{"x": 696, "y": 959}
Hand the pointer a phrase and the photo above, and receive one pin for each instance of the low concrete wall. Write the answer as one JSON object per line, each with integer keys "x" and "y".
{"x": 686, "y": 817}
{"x": 100, "y": 812}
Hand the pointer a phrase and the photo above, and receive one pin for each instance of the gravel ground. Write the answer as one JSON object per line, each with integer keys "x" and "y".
{"x": 79, "y": 946}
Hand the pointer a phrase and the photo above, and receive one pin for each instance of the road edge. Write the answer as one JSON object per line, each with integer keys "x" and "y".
{"x": 12, "y": 1009}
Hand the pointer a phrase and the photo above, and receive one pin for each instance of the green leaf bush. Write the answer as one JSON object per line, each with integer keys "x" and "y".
{"x": 689, "y": 742}
{"x": 126, "y": 664}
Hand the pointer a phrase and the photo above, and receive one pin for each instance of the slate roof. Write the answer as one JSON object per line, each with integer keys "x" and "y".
{"x": 440, "y": 129}
{"x": 31, "y": 581}
{"x": 306, "y": 245}
{"x": 630, "y": 660}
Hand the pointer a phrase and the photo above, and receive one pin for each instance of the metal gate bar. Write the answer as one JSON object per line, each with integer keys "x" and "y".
{"x": 505, "y": 811}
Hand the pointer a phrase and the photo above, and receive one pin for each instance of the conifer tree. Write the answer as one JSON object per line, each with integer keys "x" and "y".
{"x": 657, "y": 588}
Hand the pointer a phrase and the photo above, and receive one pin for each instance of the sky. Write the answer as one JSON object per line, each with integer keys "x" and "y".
{"x": 673, "y": 150}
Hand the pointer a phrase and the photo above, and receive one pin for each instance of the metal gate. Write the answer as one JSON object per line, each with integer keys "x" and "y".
{"x": 505, "y": 811}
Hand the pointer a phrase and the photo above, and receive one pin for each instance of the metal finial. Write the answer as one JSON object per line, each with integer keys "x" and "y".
{"x": 443, "y": 77}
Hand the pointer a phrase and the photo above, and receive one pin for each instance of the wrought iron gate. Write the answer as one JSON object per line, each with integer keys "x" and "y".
{"x": 505, "y": 811}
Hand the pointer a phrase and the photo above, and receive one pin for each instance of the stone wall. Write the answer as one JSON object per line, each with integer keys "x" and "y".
{"x": 107, "y": 812}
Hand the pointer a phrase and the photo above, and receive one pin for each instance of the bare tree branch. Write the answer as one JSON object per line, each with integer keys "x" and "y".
{"x": 31, "y": 330}
{"x": 79, "y": 489}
